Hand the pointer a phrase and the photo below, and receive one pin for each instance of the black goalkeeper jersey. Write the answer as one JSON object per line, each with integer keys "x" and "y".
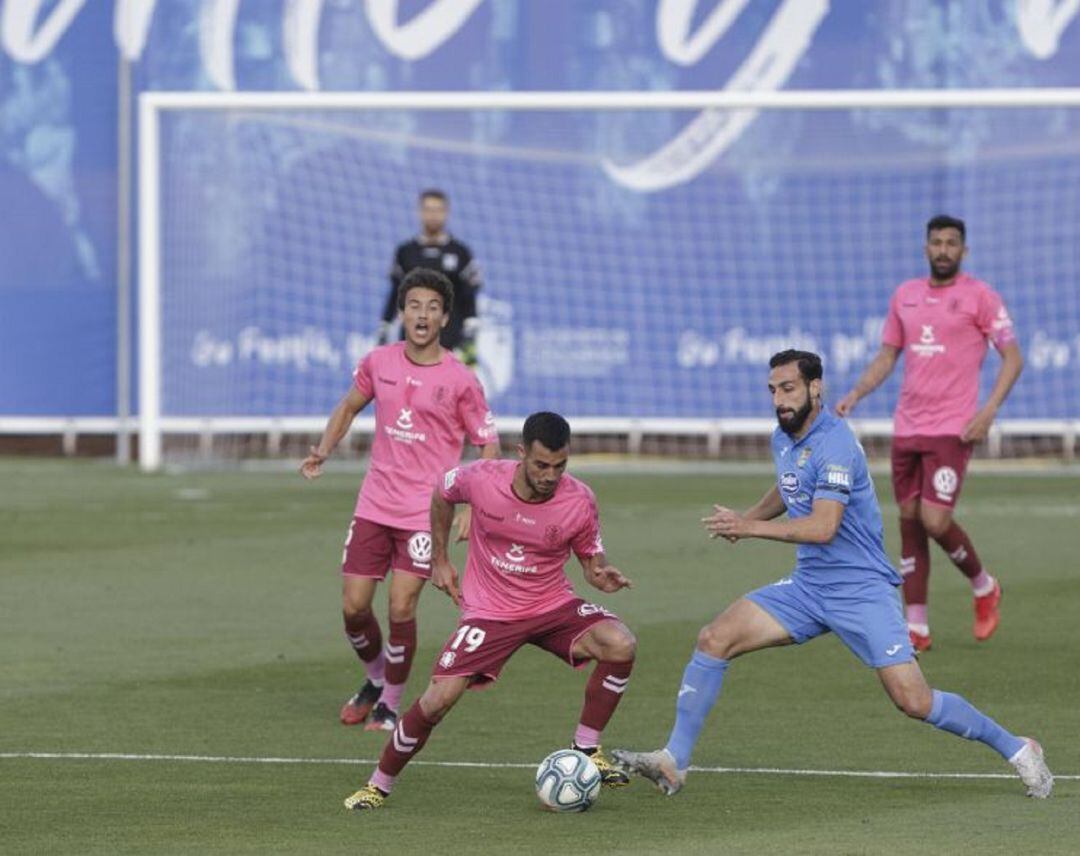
{"x": 451, "y": 258}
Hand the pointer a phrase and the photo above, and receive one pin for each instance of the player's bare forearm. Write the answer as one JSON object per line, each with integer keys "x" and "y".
{"x": 600, "y": 575}
{"x": 1012, "y": 363}
{"x": 337, "y": 426}
{"x": 819, "y": 527}
{"x": 872, "y": 377}
{"x": 442, "y": 516}
{"x": 768, "y": 507}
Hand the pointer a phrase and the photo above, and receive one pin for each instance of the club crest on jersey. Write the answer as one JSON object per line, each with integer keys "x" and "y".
{"x": 440, "y": 394}
{"x": 450, "y": 261}
{"x": 552, "y": 535}
{"x": 804, "y": 456}
{"x": 789, "y": 482}
{"x": 419, "y": 547}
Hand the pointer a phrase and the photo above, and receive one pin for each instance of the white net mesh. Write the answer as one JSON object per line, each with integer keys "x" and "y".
{"x": 278, "y": 229}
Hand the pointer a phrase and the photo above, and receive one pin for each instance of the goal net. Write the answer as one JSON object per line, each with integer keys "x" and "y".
{"x": 642, "y": 258}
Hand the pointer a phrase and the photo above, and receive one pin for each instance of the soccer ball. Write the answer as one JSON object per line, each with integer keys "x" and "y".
{"x": 567, "y": 780}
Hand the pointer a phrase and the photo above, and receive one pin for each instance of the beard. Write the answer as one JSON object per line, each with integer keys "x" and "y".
{"x": 944, "y": 270}
{"x": 792, "y": 423}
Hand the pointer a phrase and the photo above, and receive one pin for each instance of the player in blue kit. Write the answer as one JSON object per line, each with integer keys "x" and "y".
{"x": 843, "y": 582}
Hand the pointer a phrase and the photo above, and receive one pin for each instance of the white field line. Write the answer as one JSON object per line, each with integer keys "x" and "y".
{"x": 499, "y": 765}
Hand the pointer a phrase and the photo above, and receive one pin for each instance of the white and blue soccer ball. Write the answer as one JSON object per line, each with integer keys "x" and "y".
{"x": 567, "y": 780}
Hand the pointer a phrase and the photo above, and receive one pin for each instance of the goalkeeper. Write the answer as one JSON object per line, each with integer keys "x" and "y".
{"x": 437, "y": 249}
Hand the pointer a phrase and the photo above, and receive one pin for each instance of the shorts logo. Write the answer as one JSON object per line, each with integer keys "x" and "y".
{"x": 587, "y": 609}
{"x": 420, "y": 547}
{"x": 789, "y": 482}
{"x": 945, "y": 482}
{"x": 447, "y": 659}
{"x": 516, "y": 553}
{"x": 450, "y": 478}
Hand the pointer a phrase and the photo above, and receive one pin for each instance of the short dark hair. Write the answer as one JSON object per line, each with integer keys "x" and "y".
{"x": 550, "y": 429}
{"x": 427, "y": 278}
{"x": 433, "y": 193}
{"x": 944, "y": 221}
{"x": 809, "y": 363}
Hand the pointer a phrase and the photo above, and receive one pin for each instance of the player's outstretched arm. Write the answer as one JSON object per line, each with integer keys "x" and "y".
{"x": 444, "y": 575}
{"x": 337, "y": 426}
{"x": 599, "y": 574}
{"x": 871, "y": 378}
{"x": 768, "y": 507}
{"x": 1012, "y": 363}
{"x": 819, "y": 527}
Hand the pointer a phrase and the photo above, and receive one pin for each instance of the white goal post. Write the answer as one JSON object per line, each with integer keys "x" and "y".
{"x": 155, "y": 419}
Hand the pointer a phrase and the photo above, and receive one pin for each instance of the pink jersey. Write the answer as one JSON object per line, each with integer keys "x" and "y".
{"x": 943, "y": 333}
{"x": 422, "y": 414}
{"x": 517, "y": 549}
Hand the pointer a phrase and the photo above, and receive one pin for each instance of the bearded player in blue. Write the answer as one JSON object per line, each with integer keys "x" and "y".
{"x": 843, "y": 582}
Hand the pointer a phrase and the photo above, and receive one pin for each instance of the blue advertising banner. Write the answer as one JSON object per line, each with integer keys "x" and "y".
{"x": 636, "y": 264}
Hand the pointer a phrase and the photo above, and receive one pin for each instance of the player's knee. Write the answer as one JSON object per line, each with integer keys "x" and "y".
{"x": 403, "y": 609}
{"x": 356, "y": 616}
{"x": 715, "y": 641}
{"x": 935, "y": 522}
{"x": 622, "y": 648}
{"x": 438, "y": 698}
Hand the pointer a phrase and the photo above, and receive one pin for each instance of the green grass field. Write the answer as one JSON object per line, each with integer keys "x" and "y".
{"x": 198, "y": 615}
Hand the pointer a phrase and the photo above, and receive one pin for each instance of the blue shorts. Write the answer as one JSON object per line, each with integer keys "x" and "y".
{"x": 865, "y": 615}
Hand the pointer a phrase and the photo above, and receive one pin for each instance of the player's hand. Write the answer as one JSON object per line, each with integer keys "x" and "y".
{"x": 311, "y": 468}
{"x": 444, "y": 577}
{"x": 846, "y": 404}
{"x": 725, "y": 523}
{"x": 607, "y": 578}
{"x": 463, "y": 522}
{"x": 979, "y": 427}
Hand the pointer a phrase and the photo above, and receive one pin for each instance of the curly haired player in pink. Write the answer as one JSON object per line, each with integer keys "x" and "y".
{"x": 427, "y": 402}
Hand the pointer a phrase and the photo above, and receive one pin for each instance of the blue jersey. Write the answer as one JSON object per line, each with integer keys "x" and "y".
{"x": 828, "y": 463}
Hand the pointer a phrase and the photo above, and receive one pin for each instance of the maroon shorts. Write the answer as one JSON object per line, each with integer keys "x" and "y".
{"x": 480, "y": 647}
{"x": 930, "y": 468}
{"x": 372, "y": 549}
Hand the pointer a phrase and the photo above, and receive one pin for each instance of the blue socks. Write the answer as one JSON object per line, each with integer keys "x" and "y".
{"x": 700, "y": 688}
{"x": 958, "y": 716}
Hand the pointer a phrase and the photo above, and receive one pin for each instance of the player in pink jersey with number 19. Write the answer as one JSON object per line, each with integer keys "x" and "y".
{"x": 527, "y": 519}
{"x": 426, "y": 403}
{"x": 942, "y": 324}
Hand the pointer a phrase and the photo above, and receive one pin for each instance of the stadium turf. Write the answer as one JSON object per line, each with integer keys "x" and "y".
{"x": 198, "y": 615}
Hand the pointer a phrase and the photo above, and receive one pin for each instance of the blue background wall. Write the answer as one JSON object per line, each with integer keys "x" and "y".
{"x": 774, "y": 265}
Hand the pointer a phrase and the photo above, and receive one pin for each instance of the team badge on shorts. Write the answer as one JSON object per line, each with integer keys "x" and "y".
{"x": 420, "y": 548}
{"x": 447, "y": 659}
{"x": 945, "y": 482}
